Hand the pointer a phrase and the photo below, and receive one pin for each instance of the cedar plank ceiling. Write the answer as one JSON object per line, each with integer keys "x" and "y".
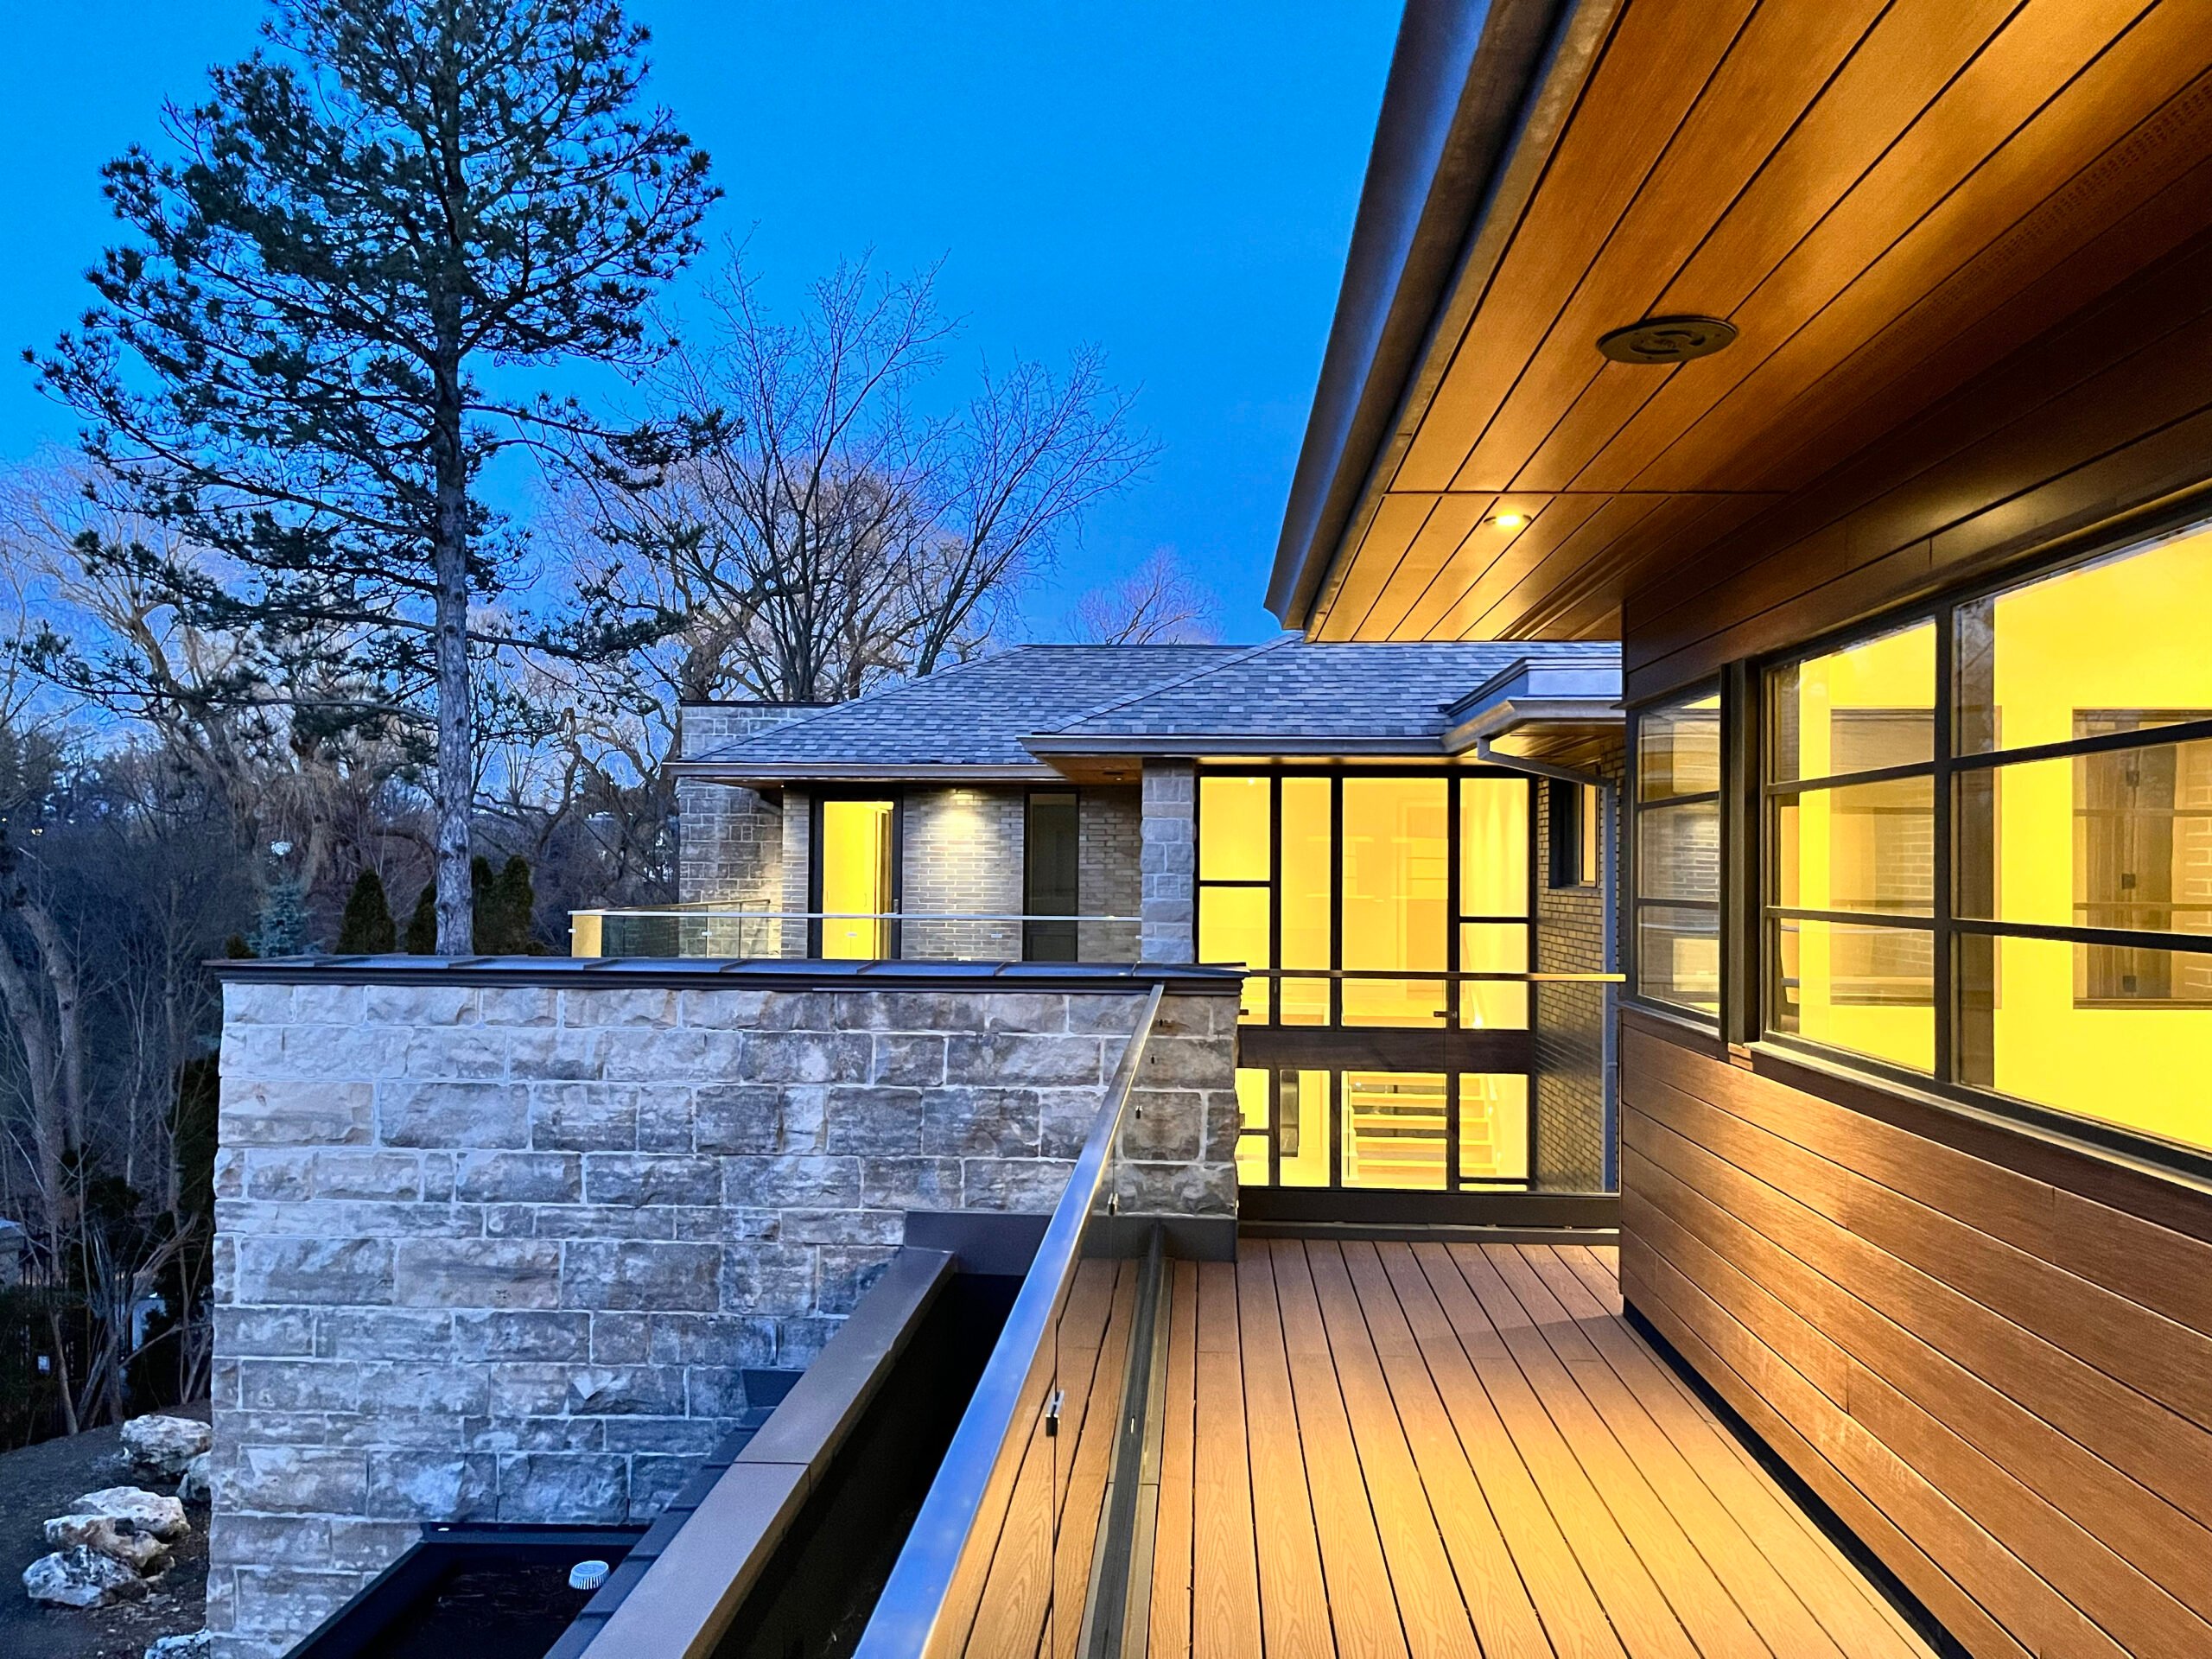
{"x": 1884, "y": 198}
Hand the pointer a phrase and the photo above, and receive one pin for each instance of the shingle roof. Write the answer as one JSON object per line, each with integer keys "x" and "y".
{"x": 1297, "y": 692}
{"x": 1000, "y": 713}
{"x": 974, "y": 715}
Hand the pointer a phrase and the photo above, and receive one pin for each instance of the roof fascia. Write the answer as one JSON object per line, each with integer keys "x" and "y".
{"x": 1478, "y": 93}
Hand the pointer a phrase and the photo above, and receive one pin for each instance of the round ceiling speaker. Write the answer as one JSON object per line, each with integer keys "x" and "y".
{"x": 1666, "y": 340}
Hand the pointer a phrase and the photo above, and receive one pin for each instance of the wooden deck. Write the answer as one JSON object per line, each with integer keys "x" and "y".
{"x": 1408, "y": 1451}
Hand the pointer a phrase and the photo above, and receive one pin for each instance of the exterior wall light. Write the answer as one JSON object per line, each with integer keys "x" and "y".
{"x": 1666, "y": 340}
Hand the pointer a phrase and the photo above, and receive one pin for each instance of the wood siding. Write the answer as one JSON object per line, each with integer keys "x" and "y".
{"x": 1989, "y": 1353}
{"x": 2103, "y": 417}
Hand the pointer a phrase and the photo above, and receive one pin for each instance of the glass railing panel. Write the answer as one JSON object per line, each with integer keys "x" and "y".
{"x": 1000, "y": 1558}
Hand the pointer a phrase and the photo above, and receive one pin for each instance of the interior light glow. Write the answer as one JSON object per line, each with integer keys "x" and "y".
{"x": 1509, "y": 520}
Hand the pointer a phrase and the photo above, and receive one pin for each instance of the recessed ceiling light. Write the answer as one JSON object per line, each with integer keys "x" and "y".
{"x": 1666, "y": 340}
{"x": 1508, "y": 520}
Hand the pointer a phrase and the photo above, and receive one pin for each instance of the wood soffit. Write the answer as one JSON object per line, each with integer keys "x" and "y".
{"x": 1884, "y": 198}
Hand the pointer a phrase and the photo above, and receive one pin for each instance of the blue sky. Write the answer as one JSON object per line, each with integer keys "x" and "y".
{"x": 1174, "y": 182}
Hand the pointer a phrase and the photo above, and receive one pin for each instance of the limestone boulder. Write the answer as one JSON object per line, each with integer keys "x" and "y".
{"x": 197, "y": 1645}
{"x": 196, "y": 1487}
{"x": 163, "y": 1446}
{"x": 79, "y": 1577}
{"x": 117, "y": 1539}
{"x": 154, "y": 1513}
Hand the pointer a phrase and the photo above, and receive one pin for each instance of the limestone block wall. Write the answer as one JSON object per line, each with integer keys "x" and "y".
{"x": 504, "y": 1251}
{"x": 961, "y": 855}
{"x": 1571, "y": 1088}
{"x": 1110, "y": 871}
{"x": 1170, "y": 861}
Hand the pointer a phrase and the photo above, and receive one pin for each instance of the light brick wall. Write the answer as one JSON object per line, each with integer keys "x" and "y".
{"x": 729, "y": 841}
{"x": 504, "y": 1253}
{"x": 1170, "y": 862}
{"x": 1570, "y": 1019}
{"x": 1109, "y": 874}
{"x": 961, "y": 855}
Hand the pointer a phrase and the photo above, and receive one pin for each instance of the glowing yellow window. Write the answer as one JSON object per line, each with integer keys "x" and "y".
{"x": 1396, "y": 882}
{"x": 856, "y": 879}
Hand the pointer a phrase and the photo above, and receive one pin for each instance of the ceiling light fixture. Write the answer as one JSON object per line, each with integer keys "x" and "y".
{"x": 1508, "y": 520}
{"x": 1666, "y": 340}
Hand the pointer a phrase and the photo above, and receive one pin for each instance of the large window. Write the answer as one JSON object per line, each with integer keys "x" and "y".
{"x": 1386, "y": 919}
{"x": 1989, "y": 843}
{"x": 1052, "y": 872}
{"x": 1675, "y": 924}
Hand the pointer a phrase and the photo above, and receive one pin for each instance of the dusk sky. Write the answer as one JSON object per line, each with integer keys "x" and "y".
{"x": 1174, "y": 183}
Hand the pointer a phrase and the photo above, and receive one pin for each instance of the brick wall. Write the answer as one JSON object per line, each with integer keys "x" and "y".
{"x": 1570, "y": 1019}
{"x": 503, "y": 1253}
{"x": 799, "y": 853}
{"x": 1170, "y": 862}
{"x": 962, "y": 855}
{"x": 1110, "y": 876}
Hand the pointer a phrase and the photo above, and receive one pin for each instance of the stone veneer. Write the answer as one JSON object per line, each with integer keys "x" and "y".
{"x": 1171, "y": 862}
{"x": 729, "y": 840}
{"x": 494, "y": 1251}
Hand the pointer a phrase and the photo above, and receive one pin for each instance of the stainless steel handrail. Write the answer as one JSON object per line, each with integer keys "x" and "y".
{"x": 907, "y": 1612}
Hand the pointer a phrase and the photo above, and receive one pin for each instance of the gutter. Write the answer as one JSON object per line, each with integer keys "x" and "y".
{"x": 1478, "y": 94}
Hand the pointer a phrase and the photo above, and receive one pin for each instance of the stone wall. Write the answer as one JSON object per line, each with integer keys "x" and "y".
{"x": 961, "y": 855}
{"x": 1570, "y": 1085}
{"x": 504, "y": 1252}
{"x": 1170, "y": 862}
{"x": 1109, "y": 874}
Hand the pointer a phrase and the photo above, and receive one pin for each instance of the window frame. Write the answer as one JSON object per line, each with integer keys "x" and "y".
{"x": 1452, "y": 976}
{"x": 1632, "y": 901}
{"x": 896, "y": 795}
{"x": 1748, "y": 886}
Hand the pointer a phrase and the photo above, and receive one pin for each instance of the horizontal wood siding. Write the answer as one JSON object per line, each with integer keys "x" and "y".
{"x": 2106, "y": 416}
{"x": 1992, "y": 1356}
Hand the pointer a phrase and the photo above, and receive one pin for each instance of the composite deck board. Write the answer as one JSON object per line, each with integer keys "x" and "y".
{"x": 1374, "y": 1465}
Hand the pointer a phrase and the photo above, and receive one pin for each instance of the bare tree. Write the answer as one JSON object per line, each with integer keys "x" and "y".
{"x": 1156, "y": 604}
{"x": 823, "y": 533}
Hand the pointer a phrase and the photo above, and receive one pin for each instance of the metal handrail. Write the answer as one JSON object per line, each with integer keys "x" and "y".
{"x": 693, "y": 911}
{"x": 906, "y": 1614}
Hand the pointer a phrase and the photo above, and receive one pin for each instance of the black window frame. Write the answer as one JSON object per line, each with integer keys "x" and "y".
{"x": 1722, "y": 795}
{"x": 1949, "y": 763}
{"x": 1035, "y": 933}
{"x": 1279, "y": 1048}
{"x": 896, "y": 794}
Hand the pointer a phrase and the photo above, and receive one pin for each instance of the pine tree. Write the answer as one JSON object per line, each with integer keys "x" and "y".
{"x": 504, "y": 927}
{"x": 423, "y": 923}
{"x": 366, "y": 929}
{"x": 283, "y": 930}
{"x": 377, "y": 230}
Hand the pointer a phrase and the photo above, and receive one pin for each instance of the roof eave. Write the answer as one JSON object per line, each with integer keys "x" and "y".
{"x": 1472, "y": 82}
{"x": 755, "y": 775}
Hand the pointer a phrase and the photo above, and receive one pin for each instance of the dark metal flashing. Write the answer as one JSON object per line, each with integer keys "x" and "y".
{"x": 1430, "y": 1232}
{"x": 721, "y": 973}
{"x": 1464, "y": 79}
{"x": 689, "y": 1590}
{"x": 999, "y": 1241}
{"x": 1855, "y": 1548}
{"x": 1365, "y": 1209}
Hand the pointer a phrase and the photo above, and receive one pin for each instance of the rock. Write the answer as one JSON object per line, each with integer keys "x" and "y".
{"x": 164, "y": 1445}
{"x": 110, "y": 1536}
{"x": 81, "y": 1577}
{"x": 199, "y": 1645}
{"x": 150, "y": 1512}
{"x": 196, "y": 1487}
